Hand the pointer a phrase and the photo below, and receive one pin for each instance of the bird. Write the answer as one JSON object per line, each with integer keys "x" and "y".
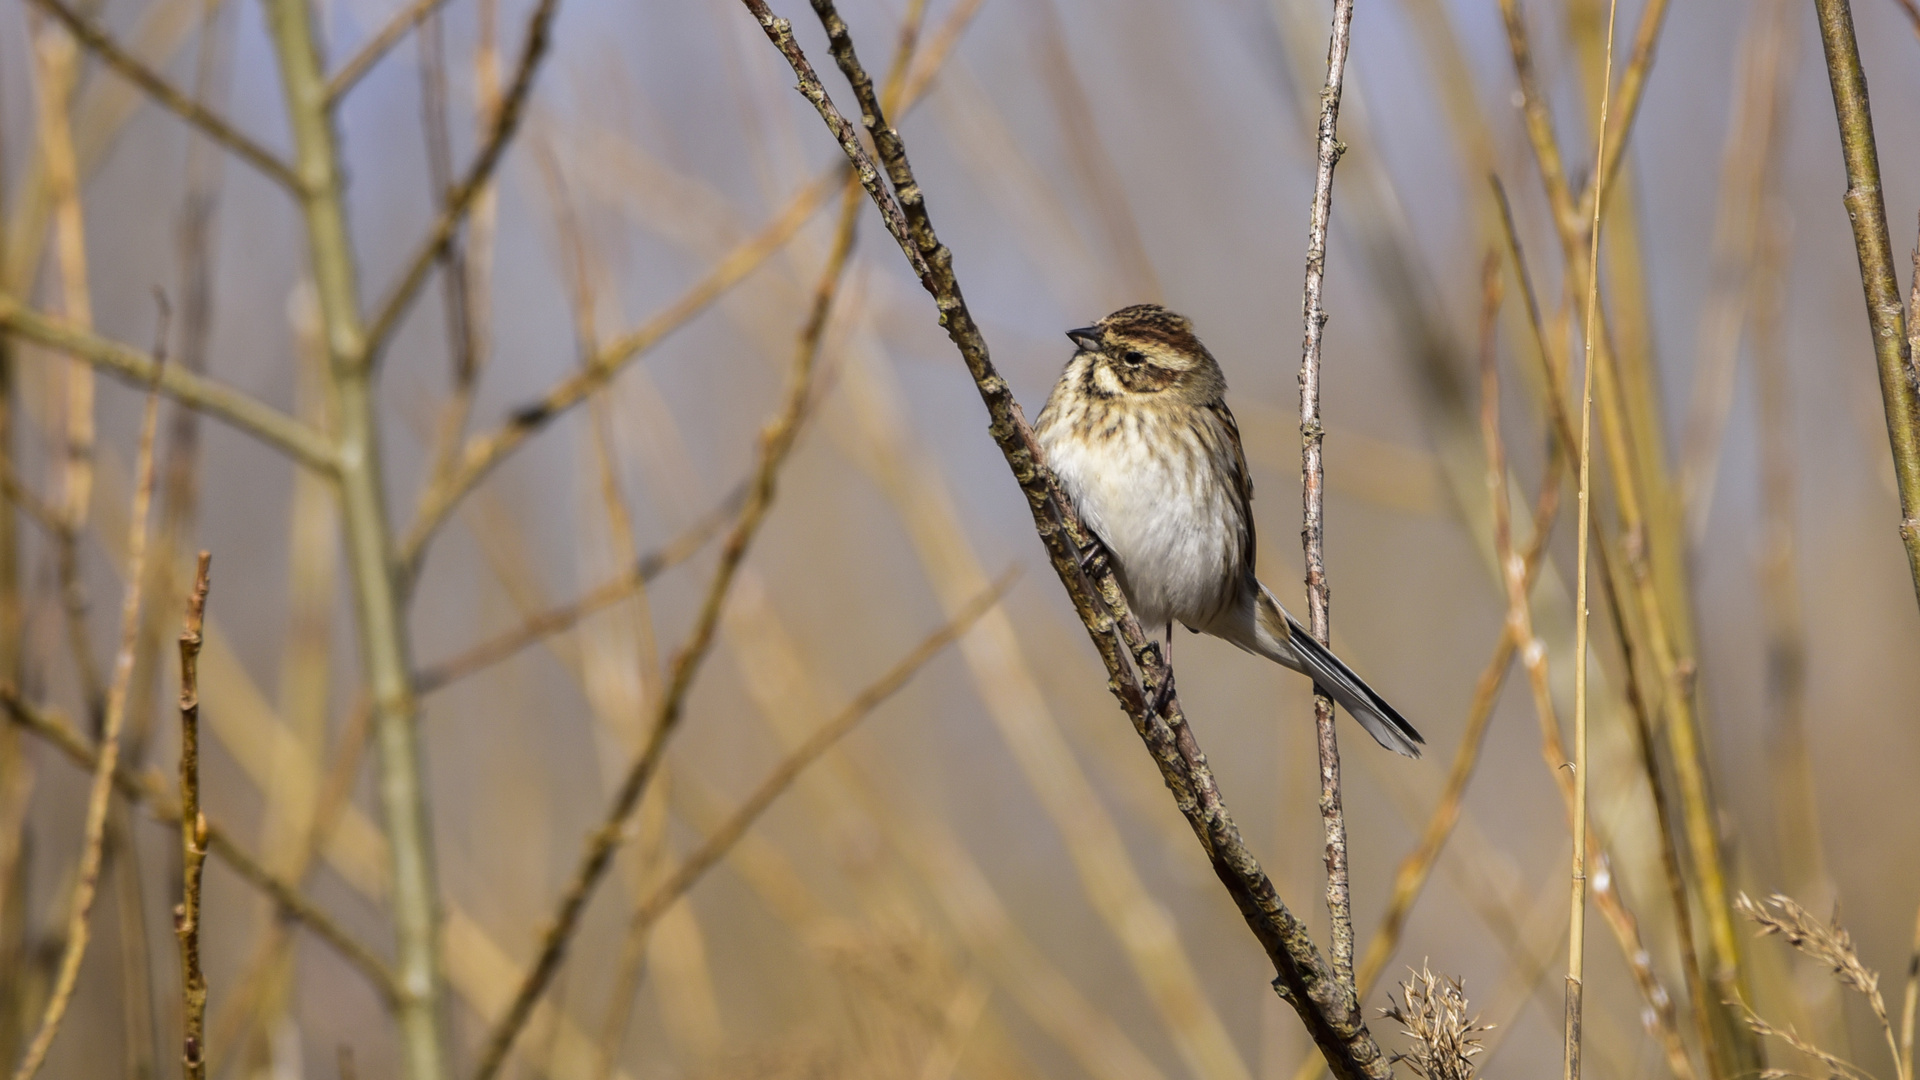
{"x": 1139, "y": 435}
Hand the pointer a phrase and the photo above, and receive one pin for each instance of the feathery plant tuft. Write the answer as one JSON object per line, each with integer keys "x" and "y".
{"x": 1432, "y": 1013}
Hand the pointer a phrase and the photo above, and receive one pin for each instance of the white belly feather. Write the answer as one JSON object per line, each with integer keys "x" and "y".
{"x": 1171, "y": 526}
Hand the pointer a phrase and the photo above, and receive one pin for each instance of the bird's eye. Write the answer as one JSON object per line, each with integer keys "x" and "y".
{"x": 1133, "y": 356}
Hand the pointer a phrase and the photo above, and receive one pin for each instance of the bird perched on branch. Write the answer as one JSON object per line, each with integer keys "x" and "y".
{"x": 1139, "y": 433}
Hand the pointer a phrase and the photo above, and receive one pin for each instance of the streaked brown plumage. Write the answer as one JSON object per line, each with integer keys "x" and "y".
{"x": 1139, "y": 433}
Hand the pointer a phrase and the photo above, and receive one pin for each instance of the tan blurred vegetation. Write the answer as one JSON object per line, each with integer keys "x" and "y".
{"x": 524, "y": 356}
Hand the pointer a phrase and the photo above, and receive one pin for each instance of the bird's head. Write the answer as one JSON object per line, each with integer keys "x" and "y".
{"x": 1146, "y": 349}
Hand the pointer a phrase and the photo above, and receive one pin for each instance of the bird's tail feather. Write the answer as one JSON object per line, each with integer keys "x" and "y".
{"x": 1308, "y": 656}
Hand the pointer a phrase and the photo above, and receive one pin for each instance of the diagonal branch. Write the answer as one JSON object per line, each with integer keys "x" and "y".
{"x": 377, "y": 48}
{"x": 506, "y": 121}
{"x": 170, "y": 97}
{"x": 558, "y": 619}
{"x": 486, "y": 451}
{"x": 264, "y": 422}
{"x": 1136, "y": 670}
{"x": 147, "y": 789}
{"x": 100, "y": 793}
{"x": 776, "y": 444}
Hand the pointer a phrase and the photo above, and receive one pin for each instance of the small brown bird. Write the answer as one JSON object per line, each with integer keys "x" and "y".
{"x": 1139, "y": 433}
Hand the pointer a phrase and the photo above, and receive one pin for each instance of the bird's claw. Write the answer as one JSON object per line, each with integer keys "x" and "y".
{"x": 1163, "y": 695}
{"x": 1095, "y": 560}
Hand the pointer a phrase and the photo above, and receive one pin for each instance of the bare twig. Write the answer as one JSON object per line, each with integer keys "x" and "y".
{"x": 482, "y": 453}
{"x": 1577, "y": 928}
{"x": 1135, "y": 666}
{"x": 722, "y": 839}
{"x": 170, "y": 97}
{"x": 377, "y": 47}
{"x": 273, "y": 427}
{"x": 150, "y": 791}
{"x": 565, "y": 616}
{"x": 1867, "y": 210}
{"x": 1621, "y": 921}
{"x": 485, "y": 451}
{"x": 101, "y": 792}
{"x": 776, "y": 442}
{"x": 1313, "y": 489}
{"x": 193, "y": 836}
{"x": 479, "y": 174}
{"x": 1633, "y": 84}
{"x": 1417, "y": 866}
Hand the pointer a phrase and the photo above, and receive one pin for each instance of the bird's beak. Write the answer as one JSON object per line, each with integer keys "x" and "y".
{"x": 1087, "y": 337}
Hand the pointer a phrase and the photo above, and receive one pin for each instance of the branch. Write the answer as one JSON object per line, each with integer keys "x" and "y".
{"x": 505, "y": 122}
{"x": 148, "y": 790}
{"x": 776, "y": 443}
{"x": 1135, "y": 667}
{"x": 264, "y": 422}
{"x": 1633, "y": 85}
{"x": 100, "y": 795}
{"x": 484, "y": 452}
{"x": 728, "y": 833}
{"x": 1313, "y": 491}
{"x": 193, "y": 837}
{"x": 374, "y": 50}
{"x": 559, "y": 619}
{"x": 171, "y": 97}
{"x": 1868, "y": 213}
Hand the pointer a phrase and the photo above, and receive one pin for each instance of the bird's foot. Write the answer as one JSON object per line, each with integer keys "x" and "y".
{"x": 1163, "y": 695}
{"x": 1095, "y": 559}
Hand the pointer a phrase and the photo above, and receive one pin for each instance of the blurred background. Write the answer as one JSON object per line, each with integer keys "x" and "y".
{"x": 986, "y": 878}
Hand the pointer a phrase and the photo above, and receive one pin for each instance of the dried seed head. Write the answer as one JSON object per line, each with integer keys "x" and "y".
{"x": 1432, "y": 1011}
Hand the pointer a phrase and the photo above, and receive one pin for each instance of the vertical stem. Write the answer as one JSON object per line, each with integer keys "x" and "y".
{"x": 1868, "y": 212}
{"x": 193, "y": 837}
{"x": 383, "y": 642}
{"x": 1577, "y": 925}
{"x": 1313, "y": 489}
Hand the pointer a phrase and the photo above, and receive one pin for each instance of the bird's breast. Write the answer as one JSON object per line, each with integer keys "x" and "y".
{"x": 1161, "y": 498}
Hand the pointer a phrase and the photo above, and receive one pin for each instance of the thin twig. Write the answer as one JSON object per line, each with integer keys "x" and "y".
{"x": 377, "y": 47}
{"x": 299, "y": 440}
{"x": 482, "y": 453}
{"x": 776, "y": 442}
{"x": 728, "y": 833}
{"x": 1655, "y": 630}
{"x": 1410, "y": 879}
{"x": 475, "y": 180}
{"x": 1313, "y": 489}
{"x": 565, "y": 616}
{"x": 1136, "y": 669}
{"x": 193, "y": 836}
{"x": 1621, "y": 921}
{"x": 170, "y": 97}
{"x": 1576, "y": 932}
{"x": 101, "y": 792}
{"x": 1867, "y": 210}
{"x": 1633, "y": 84}
{"x": 485, "y": 451}
{"x": 149, "y": 790}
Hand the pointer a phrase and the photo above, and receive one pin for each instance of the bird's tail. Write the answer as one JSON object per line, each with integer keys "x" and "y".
{"x": 1282, "y": 638}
